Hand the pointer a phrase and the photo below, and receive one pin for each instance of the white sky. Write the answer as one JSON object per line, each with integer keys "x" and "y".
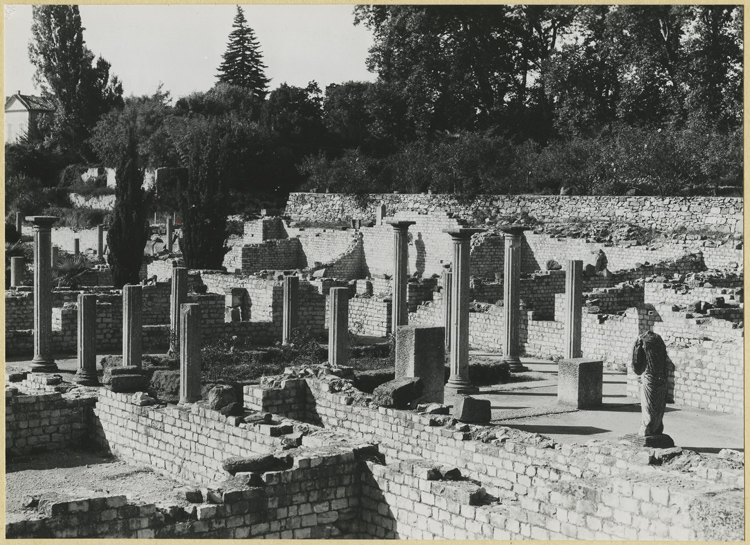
{"x": 182, "y": 45}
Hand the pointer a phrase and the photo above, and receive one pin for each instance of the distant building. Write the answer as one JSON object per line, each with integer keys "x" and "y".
{"x": 22, "y": 114}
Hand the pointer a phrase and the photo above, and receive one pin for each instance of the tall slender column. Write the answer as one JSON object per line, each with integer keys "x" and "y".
{"x": 291, "y": 307}
{"x": 132, "y": 325}
{"x": 573, "y": 309}
{"x": 55, "y": 255}
{"x": 400, "y": 262}
{"x": 512, "y": 298}
{"x": 16, "y": 271}
{"x": 447, "y": 304}
{"x": 380, "y": 214}
{"x": 76, "y": 246}
{"x": 190, "y": 353}
{"x": 338, "y": 326}
{"x": 86, "y": 373}
{"x": 170, "y": 235}
{"x": 100, "y": 241}
{"x": 19, "y": 223}
{"x": 43, "y": 361}
{"x": 179, "y": 296}
{"x": 459, "y": 382}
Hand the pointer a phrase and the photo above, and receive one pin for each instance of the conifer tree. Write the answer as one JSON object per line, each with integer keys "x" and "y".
{"x": 243, "y": 61}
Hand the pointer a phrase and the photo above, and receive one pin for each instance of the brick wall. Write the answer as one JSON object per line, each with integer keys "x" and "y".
{"x": 662, "y": 213}
{"x": 370, "y": 316}
{"x": 270, "y": 255}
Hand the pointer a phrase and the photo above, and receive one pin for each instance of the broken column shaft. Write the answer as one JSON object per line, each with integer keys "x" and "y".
{"x": 178, "y": 297}
{"x": 132, "y": 325}
{"x": 43, "y": 361}
{"x": 190, "y": 353}
{"x": 290, "y": 308}
{"x": 338, "y": 326}
{"x": 573, "y": 309}
{"x": 86, "y": 374}
{"x": 512, "y": 296}
{"x": 400, "y": 261}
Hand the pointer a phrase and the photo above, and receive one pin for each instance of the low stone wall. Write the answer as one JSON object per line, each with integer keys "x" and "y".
{"x": 44, "y": 422}
{"x": 667, "y": 293}
{"x": 663, "y": 213}
{"x": 271, "y": 255}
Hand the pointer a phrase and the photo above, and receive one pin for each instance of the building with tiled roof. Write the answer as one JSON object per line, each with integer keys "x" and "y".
{"x": 22, "y": 115}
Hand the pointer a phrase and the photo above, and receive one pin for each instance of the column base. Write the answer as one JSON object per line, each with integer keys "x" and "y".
{"x": 43, "y": 366}
{"x": 459, "y": 387}
{"x": 185, "y": 402}
{"x": 86, "y": 378}
{"x": 515, "y": 365}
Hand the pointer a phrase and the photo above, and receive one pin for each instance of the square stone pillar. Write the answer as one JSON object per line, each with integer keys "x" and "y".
{"x": 76, "y": 246}
{"x": 17, "y": 269}
{"x": 86, "y": 374}
{"x": 447, "y": 303}
{"x": 290, "y": 307}
{"x": 178, "y": 297}
{"x": 170, "y": 234}
{"x": 100, "y": 241}
{"x": 43, "y": 361}
{"x": 579, "y": 382}
{"x": 459, "y": 382}
{"x": 400, "y": 311}
{"x": 55, "y": 256}
{"x": 573, "y": 309}
{"x": 132, "y": 325}
{"x": 338, "y": 326}
{"x": 420, "y": 352}
{"x": 380, "y": 214}
{"x": 190, "y": 353}
{"x": 19, "y": 223}
{"x": 512, "y": 296}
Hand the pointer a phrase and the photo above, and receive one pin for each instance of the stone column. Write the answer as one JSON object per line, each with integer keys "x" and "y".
{"x": 447, "y": 303}
{"x": 291, "y": 308}
{"x": 43, "y": 361}
{"x": 380, "y": 214}
{"x": 170, "y": 234}
{"x": 338, "y": 326}
{"x": 19, "y": 223}
{"x": 190, "y": 353}
{"x": 573, "y": 309}
{"x": 132, "y": 325}
{"x": 179, "y": 296}
{"x": 459, "y": 382}
{"x": 86, "y": 373}
{"x": 400, "y": 262}
{"x": 16, "y": 271}
{"x": 512, "y": 296}
{"x": 55, "y": 255}
{"x": 76, "y": 246}
{"x": 100, "y": 241}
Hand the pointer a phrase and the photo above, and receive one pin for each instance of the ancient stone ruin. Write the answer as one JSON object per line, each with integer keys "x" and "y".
{"x": 510, "y": 407}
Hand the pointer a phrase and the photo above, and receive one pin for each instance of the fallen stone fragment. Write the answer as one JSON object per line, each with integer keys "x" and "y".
{"x": 220, "y": 396}
{"x": 255, "y": 464}
{"x": 398, "y": 393}
{"x": 469, "y": 409}
{"x": 142, "y": 399}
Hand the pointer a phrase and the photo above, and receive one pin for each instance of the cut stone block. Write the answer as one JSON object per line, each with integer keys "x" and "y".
{"x": 579, "y": 382}
{"x": 221, "y": 396}
{"x": 472, "y": 410}
{"x": 420, "y": 352}
{"x": 398, "y": 393}
{"x": 127, "y": 383}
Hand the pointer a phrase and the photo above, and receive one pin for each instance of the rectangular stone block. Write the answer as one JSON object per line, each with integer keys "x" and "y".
{"x": 579, "y": 382}
{"x": 420, "y": 352}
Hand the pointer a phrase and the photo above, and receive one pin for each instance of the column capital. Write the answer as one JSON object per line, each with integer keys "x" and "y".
{"x": 400, "y": 225}
{"x": 42, "y": 222}
{"x": 514, "y": 230}
{"x": 463, "y": 233}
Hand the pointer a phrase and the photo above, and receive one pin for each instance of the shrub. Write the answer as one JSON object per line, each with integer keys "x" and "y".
{"x": 69, "y": 270}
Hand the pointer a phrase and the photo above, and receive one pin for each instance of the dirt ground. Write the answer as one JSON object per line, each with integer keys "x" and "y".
{"x": 74, "y": 474}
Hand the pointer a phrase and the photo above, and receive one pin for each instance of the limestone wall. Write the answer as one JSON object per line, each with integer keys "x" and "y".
{"x": 664, "y": 213}
{"x": 100, "y": 202}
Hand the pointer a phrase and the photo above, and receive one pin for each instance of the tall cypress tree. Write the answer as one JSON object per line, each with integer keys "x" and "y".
{"x": 243, "y": 61}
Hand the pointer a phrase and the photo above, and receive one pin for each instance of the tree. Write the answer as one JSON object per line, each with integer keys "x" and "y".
{"x": 129, "y": 232}
{"x": 295, "y": 114}
{"x": 243, "y": 61}
{"x": 79, "y": 85}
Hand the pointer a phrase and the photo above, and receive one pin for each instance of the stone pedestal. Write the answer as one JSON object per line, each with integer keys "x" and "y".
{"x": 178, "y": 297}
{"x": 100, "y": 241}
{"x": 420, "y": 353}
{"x": 132, "y": 325}
{"x": 579, "y": 382}
{"x": 55, "y": 256}
{"x": 447, "y": 303}
{"x": 459, "y": 382}
{"x": 86, "y": 373}
{"x": 170, "y": 235}
{"x": 291, "y": 308}
{"x": 190, "y": 353}
{"x": 76, "y": 246}
{"x": 338, "y": 326}
{"x": 16, "y": 271}
{"x": 19, "y": 223}
{"x": 400, "y": 278}
{"x": 512, "y": 296}
{"x": 43, "y": 361}
{"x": 573, "y": 309}
{"x": 380, "y": 214}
